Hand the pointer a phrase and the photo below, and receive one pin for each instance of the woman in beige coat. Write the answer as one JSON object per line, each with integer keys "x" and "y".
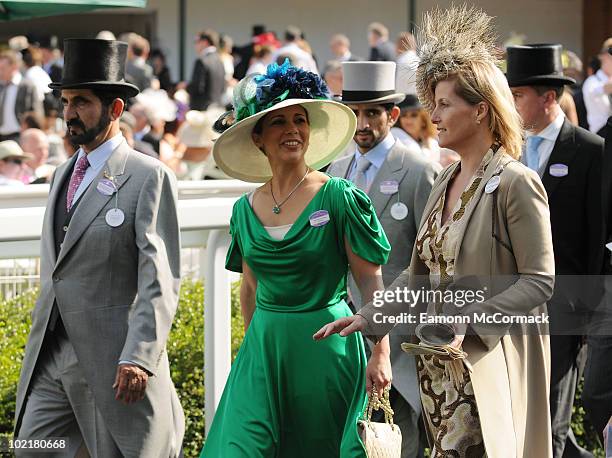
{"x": 486, "y": 218}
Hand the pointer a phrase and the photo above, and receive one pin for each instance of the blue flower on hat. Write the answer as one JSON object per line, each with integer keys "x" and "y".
{"x": 256, "y": 93}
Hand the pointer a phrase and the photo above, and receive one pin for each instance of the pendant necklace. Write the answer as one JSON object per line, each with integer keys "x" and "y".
{"x": 277, "y": 208}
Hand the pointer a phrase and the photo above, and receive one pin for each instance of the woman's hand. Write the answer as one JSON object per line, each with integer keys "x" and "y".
{"x": 378, "y": 372}
{"x": 457, "y": 341}
{"x": 460, "y": 329}
{"x": 343, "y": 326}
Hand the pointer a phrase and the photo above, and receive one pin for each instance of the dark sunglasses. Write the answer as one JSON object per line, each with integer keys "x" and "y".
{"x": 14, "y": 160}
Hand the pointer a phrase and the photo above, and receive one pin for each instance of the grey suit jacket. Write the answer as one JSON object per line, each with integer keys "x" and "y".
{"x": 117, "y": 291}
{"x": 139, "y": 73}
{"x": 415, "y": 175}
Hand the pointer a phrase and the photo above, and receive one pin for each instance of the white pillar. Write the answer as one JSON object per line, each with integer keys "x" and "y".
{"x": 217, "y": 322}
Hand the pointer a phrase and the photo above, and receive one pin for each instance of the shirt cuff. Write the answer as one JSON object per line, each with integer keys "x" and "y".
{"x": 125, "y": 361}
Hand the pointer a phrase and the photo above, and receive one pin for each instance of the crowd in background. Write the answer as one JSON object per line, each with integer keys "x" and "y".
{"x": 172, "y": 120}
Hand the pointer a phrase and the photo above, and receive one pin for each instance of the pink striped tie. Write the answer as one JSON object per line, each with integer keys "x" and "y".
{"x": 76, "y": 179}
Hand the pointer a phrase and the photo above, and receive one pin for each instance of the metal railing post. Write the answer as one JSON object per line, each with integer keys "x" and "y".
{"x": 217, "y": 322}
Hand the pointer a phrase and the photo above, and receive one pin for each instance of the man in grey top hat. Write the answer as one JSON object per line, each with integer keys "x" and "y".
{"x": 398, "y": 179}
{"x": 95, "y": 371}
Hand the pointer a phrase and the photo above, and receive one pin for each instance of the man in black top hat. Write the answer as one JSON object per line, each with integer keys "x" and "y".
{"x": 95, "y": 369}
{"x": 569, "y": 161}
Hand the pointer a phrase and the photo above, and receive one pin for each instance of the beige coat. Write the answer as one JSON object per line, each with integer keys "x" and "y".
{"x": 511, "y": 370}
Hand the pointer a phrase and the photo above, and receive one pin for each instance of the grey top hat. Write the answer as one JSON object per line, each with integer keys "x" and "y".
{"x": 369, "y": 82}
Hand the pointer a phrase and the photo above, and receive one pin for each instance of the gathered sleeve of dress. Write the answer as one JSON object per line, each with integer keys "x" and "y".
{"x": 360, "y": 225}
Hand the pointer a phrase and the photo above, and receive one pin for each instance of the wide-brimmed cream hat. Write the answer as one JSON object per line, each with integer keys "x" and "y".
{"x": 11, "y": 149}
{"x": 332, "y": 126}
{"x": 197, "y": 130}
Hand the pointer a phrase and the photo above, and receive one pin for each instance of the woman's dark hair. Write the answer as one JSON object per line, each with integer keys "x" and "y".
{"x": 32, "y": 120}
{"x": 258, "y": 127}
{"x": 158, "y": 53}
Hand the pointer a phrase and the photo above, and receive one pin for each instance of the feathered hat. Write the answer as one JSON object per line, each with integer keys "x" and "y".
{"x": 451, "y": 42}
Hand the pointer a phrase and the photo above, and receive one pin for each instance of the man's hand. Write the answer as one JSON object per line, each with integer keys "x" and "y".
{"x": 130, "y": 383}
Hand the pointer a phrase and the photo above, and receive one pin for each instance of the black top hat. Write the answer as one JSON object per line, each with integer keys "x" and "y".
{"x": 411, "y": 102}
{"x": 536, "y": 65}
{"x": 95, "y": 64}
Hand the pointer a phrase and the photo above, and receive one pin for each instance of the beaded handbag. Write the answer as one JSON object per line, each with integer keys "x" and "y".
{"x": 381, "y": 440}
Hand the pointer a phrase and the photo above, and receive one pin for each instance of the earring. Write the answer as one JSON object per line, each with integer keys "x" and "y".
{"x": 478, "y": 121}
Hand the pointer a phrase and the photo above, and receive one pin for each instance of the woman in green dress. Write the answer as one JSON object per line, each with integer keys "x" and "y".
{"x": 293, "y": 239}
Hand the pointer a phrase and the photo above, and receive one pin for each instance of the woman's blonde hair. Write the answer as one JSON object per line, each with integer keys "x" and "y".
{"x": 486, "y": 83}
{"x": 459, "y": 44}
{"x": 428, "y": 128}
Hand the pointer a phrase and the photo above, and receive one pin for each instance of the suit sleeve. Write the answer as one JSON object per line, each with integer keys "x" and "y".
{"x": 157, "y": 238}
{"x": 197, "y": 82}
{"x": 34, "y": 102}
{"x": 425, "y": 182}
{"x": 607, "y": 193}
{"x": 595, "y": 211}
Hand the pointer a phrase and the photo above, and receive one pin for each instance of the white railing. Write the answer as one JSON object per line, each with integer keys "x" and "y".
{"x": 204, "y": 211}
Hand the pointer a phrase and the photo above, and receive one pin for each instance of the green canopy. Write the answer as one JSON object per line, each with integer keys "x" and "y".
{"x": 26, "y": 9}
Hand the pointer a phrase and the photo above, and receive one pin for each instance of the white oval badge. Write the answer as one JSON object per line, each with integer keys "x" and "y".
{"x": 399, "y": 211}
{"x": 106, "y": 187}
{"x": 492, "y": 184}
{"x": 389, "y": 187}
{"x": 115, "y": 217}
{"x": 558, "y": 170}
{"x": 319, "y": 218}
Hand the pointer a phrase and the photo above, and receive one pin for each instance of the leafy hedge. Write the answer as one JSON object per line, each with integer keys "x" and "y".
{"x": 186, "y": 354}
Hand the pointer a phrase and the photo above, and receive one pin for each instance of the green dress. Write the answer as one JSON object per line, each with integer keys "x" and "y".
{"x": 287, "y": 395}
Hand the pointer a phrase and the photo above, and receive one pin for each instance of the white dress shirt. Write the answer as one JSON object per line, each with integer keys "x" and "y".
{"x": 404, "y": 137}
{"x": 344, "y": 57}
{"x": 549, "y": 134}
{"x": 376, "y": 156}
{"x": 40, "y": 79}
{"x": 141, "y": 133}
{"x": 10, "y": 122}
{"x": 405, "y": 72}
{"x": 303, "y": 59}
{"x": 596, "y": 100}
{"x": 97, "y": 158}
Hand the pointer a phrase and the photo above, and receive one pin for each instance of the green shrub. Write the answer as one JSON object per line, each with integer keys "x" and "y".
{"x": 186, "y": 354}
{"x": 586, "y": 436}
{"x": 14, "y": 328}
